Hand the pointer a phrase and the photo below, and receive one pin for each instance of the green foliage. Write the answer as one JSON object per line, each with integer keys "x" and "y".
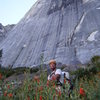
{"x": 85, "y": 72}
{"x": 34, "y": 70}
{"x": 6, "y": 72}
{"x": 91, "y": 68}
{"x": 95, "y": 59}
{"x": 20, "y": 70}
{"x": 33, "y": 89}
{"x": 96, "y": 62}
{"x": 63, "y": 66}
{"x": 37, "y": 87}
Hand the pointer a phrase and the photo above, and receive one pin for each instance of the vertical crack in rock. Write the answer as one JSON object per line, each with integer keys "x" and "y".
{"x": 19, "y": 53}
{"x": 46, "y": 33}
{"x": 59, "y": 29}
{"x": 76, "y": 29}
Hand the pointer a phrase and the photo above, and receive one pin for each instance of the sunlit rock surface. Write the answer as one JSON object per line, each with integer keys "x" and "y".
{"x": 65, "y": 30}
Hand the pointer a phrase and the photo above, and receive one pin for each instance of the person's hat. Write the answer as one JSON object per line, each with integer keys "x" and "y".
{"x": 52, "y": 61}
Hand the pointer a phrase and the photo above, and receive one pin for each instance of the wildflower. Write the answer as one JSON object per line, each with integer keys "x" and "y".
{"x": 53, "y": 85}
{"x": 64, "y": 81}
{"x": 47, "y": 83}
{"x": 5, "y": 93}
{"x": 82, "y": 92}
{"x": 54, "y": 96}
{"x": 35, "y": 98}
{"x": 28, "y": 97}
{"x": 10, "y": 95}
{"x": 40, "y": 88}
{"x": 58, "y": 90}
{"x": 8, "y": 86}
{"x": 29, "y": 87}
{"x": 41, "y": 98}
{"x": 0, "y": 76}
{"x": 38, "y": 81}
{"x": 59, "y": 93}
{"x": 36, "y": 78}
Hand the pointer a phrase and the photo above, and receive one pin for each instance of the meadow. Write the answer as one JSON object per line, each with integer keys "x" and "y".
{"x": 86, "y": 84}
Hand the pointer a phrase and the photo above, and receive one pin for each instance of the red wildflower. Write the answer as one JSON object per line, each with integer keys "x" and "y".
{"x": 53, "y": 85}
{"x": 5, "y": 93}
{"x": 29, "y": 87}
{"x": 10, "y": 95}
{"x": 59, "y": 93}
{"x": 54, "y": 97}
{"x": 64, "y": 81}
{"x": 0, "y": 76}
{"x": 28, "y": 97}
{"x": 82, "y": 92}
{"x": 48, "y": 83}
{"x": 8, "y": 86}
{"x": 40, "y": 88}
{"x": 35, "y": 98}
{"x": 38, "y": 81}
{"x": 41, "y": 98}
{"x": 36, "y": 78}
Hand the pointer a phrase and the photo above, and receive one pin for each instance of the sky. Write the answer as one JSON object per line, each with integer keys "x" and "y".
{"x": 11, "y": 11}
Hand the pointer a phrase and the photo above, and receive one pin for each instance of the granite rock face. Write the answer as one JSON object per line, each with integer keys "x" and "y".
{"x": 4, "y": 30}
{"x": 65, "y": 30}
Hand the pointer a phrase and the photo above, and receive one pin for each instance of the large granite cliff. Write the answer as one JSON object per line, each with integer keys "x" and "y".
{"x": 65, "y": 30}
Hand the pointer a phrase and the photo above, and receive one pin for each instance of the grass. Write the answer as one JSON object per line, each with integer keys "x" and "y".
{"x": 86, "y": 85}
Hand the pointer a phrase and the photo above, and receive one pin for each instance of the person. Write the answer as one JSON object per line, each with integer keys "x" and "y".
{"x": 59, "y": 77}
{"x": 56, "y": 75}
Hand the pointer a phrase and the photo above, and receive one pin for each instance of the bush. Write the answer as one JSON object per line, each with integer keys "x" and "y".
{"x": 20, "y": 70}
{"x": 95, "y": 59}
{"x": 34, "y": 70}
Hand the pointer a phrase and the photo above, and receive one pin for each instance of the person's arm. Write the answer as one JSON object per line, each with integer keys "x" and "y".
{"x": 49, "y": 78}
{"x": 57, "y": 75}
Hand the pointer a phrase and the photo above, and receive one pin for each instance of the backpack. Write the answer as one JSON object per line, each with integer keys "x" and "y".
{"x": 66, "y": 76}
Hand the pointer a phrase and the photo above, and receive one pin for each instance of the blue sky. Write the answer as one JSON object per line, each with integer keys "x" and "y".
{"x": 11, "y": 11}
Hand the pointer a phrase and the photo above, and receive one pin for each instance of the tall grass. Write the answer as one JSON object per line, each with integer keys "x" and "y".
{"x": 86, "y": 86}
